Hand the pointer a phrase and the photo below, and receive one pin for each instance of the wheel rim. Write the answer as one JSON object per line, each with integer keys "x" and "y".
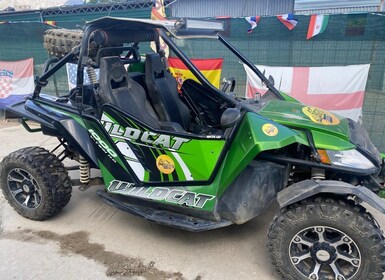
{"x": 24, "y": 188}
{"x": 323, "y": 252}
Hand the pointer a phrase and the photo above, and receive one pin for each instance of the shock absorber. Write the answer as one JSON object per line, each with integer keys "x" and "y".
{"x": 92, "y": 75}
{"x": 317, "y": 174}
{"x": 84, "y": 168}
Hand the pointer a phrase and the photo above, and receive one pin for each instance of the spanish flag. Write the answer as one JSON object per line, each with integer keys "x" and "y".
{"x": 50, "y": 22}
{"x": 211, "y": 68}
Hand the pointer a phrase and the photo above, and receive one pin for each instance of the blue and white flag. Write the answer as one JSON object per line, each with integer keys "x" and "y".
{"x": 72, "y": 71}
{"x": 253, "y": 22}
{"x": 288, "y": 20}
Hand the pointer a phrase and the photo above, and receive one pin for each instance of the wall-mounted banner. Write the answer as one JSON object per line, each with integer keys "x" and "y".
{"x": 339, "y": 89}
{"x": 16, "y": 81}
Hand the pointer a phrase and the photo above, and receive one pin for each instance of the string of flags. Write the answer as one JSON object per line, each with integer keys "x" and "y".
{"x": 253, "y": 22}
{"x": 288, "y": 20}
{"x": 317, "y": 25}
{"x": 47, "y": 22}
{"x": 50, "y": 22}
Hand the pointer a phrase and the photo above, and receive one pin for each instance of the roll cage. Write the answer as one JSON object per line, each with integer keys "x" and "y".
{"x": 108, "y": 34}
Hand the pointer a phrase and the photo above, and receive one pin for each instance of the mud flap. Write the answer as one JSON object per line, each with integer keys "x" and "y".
{"x": 252, "y": 191}
{"x": 308, "y": 188}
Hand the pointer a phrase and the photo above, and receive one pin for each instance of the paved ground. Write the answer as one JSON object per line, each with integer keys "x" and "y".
{"x": 91, "y": 240}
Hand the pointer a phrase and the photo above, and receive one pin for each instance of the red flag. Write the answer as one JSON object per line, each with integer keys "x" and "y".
{"x": 211, "y": 68}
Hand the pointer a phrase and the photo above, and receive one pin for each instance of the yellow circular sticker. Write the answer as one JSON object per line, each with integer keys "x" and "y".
{"x": 165, "y": 164}
{"x": 320, "y": 116}
{"x": 269, "y": 129}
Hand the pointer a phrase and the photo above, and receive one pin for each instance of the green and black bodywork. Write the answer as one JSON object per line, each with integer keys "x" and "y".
{"x": 227, "y": 165}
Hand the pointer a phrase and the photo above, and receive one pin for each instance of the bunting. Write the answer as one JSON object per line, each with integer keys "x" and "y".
{"x": 288, "y": 20}
{"x": 253, "y": 22}
{"x": 317, "y": 25}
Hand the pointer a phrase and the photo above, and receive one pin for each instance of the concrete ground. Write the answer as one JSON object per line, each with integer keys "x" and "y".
{"x": 91, "y": 240}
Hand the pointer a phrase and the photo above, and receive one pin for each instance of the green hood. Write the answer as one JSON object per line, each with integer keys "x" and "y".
{"x": 329, "y": 131}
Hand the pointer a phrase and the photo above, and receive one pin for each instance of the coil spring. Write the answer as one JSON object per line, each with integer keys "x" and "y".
{"x": 92, "y": 75}
{"x": 84, "y": 170}
{"x": 318, "y": 174}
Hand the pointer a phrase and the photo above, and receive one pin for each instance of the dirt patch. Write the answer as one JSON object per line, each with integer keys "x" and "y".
{"x": 7, "y": 123}
{"x": 118, "y": 265}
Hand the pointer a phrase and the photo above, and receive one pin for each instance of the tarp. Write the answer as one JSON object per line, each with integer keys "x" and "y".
{"x": 339, "y": 89}
{"x": 16, "y": 80}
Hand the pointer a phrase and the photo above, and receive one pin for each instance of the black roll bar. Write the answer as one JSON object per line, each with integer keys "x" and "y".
{"x": 41, "y": 81}
{"x": 195, "y": 70}
{"x": 251, "y": 66}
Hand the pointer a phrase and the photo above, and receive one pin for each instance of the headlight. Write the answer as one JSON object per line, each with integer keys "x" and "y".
{"x": 349, "y": 158}
{"x": 360, "y": 137}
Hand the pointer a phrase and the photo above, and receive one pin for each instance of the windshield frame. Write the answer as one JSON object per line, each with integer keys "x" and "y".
{"x": 202, "y": 79}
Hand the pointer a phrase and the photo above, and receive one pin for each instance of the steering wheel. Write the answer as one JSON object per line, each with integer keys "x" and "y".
{"x": 228, "y": 84}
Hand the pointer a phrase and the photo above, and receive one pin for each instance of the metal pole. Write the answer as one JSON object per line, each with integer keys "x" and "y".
{"x": 251, "y": 66}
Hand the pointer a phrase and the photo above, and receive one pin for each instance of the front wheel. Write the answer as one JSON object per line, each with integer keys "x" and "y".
{"x": 324, "y": 238}
{"x": 35, "y": 183}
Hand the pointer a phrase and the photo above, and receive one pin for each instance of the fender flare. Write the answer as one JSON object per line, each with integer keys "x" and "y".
{"x": 308, "y": 188}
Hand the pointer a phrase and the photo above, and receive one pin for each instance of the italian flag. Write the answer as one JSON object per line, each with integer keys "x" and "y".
{"x": 317, "y": 25}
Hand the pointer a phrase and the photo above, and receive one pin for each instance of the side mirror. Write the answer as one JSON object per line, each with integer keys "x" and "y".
{"x": 271, "y": 80}
{"x": 230, "y": 117}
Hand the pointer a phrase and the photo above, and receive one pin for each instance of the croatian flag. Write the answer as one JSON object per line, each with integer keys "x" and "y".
{"x": 253, "y": 22}
{"x": 16, "y": 81}
{"x": 317, "y": 25}
{"x": 339, "y": 89}
{"x": 288, "y": 20}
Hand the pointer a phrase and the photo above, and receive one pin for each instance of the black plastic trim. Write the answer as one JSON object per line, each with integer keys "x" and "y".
{"x": 19, "y": 111}
{"x": 163, "y": 217}
{"x": 308, "y": 188}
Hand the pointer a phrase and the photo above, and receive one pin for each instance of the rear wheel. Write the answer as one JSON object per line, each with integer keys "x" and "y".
{"x": 35, "y": 183}
{"x": 324, "y": 238}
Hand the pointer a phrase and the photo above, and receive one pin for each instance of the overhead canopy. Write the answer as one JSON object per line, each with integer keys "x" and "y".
{"x": 183, "y": 28}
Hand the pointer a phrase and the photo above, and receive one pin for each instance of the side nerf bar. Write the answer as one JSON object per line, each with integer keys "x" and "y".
{"x": 308, "y": 188}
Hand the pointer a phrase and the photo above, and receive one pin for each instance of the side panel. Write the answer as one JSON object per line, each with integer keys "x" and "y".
{"x": 87, "y": 134}
{"x": 256, "y": 134}
{"x": 65, "y": 124}
{"x": 88, "y": 137}
{"x": 162, "y": 156}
